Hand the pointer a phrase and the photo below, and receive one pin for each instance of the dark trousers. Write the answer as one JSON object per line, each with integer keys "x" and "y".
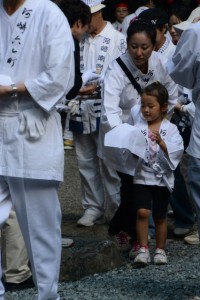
{"x": 125, "y": 217}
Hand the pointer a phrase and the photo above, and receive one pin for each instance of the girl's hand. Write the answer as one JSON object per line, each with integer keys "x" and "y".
{"x": 160, "y": 142}
{"x": 156, "y": 136}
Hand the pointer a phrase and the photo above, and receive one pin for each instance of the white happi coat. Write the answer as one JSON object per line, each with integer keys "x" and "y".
{"x": 145, "y": 172}
{"x": 36, "y": 48}
{"x": 97, "y": 52}
{"x": 167, "y": 49}
{"x": 120, "y": 96}
{"x": 160, "y": 174}
{"x": 185, "y": 70}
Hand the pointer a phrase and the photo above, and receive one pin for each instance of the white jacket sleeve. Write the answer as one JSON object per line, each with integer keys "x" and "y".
{"x": 113, "y": 86}
{"x": 174, "y": 143}
{"x": 190, "y": 109}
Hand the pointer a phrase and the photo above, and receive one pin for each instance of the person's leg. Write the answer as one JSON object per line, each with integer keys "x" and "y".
{"x": 124, "y": 218}
{"x": 39, "y": 215}
{"x": 142, "y": 255}
{"x": 143, "y": 202}
{"x": 194, "y": 185}
{"x": 159, "y": 212}
{"x": 184, "y": 171}
{"x": 112, "y": 183}
{"x": 142, "y": 225}
{"x": 91, "y": 179}
{"x": 161, "y": 233}
{"x": 181, "y": 205}
{"x": 14, "y": 254}
{"x": 5, "y": 208}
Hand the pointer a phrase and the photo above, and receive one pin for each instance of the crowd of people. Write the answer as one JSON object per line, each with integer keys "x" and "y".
{"x": 125, "y": 96}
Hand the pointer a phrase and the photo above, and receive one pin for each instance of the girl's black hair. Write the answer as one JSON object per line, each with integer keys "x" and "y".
{"x": 75, "y": 10}
{"x": 157, "y": 90}
{"x": 142, "y": 25}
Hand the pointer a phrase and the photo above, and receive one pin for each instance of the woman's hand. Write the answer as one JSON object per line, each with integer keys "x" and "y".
{"x": 177, "y": 107}
{"x": 88, "y": 89}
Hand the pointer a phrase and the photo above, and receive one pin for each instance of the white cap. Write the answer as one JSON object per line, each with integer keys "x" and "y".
{"x": 95, "y": 5}
{"x": 185, "y": 25}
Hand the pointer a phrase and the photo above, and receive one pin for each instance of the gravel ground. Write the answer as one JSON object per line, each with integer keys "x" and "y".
{"x": 178, "y": 280}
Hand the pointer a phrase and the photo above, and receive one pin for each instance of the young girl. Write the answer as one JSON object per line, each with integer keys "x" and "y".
{"x": 153, "y": 180}
{"x": 121, "y": 11}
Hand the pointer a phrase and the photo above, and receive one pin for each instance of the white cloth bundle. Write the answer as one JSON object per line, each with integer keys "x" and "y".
{"x": 125, "y": 136}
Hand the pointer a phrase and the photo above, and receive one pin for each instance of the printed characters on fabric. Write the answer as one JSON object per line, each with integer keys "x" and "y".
{"x": 104, "y": 49}
{"x": 108, "y": 45}
{"x": 19, "y": 34}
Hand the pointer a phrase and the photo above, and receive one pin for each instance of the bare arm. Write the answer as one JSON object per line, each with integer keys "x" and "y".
{"x": 6, "y": 90}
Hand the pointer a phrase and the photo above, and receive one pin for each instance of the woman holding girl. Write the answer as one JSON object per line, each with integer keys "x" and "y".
{"x": 121, "y": 93}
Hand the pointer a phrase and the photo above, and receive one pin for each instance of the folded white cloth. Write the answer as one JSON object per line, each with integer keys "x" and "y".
{"x": 33, "y": 123}
{"x": 125, "y": 136}
{"x": 74, "y": 106}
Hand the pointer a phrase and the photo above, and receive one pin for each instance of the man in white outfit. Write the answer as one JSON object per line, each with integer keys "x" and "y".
{"x": 33, "y": 79}
{"x": 100, "y": 46}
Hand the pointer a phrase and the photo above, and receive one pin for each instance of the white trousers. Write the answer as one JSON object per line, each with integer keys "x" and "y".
{"x": 14, "y": 254}
{"x": 38, "y": 211}
{"x": 96, "y": 177}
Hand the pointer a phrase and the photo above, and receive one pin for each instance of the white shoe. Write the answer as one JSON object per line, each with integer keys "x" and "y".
{"x": 143, "y": 257}
{"x": 160, "y": 257}
{"x": 192, "y": 239}
{"x": 67, "y": 243}
{"x": 89, "y": 220}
